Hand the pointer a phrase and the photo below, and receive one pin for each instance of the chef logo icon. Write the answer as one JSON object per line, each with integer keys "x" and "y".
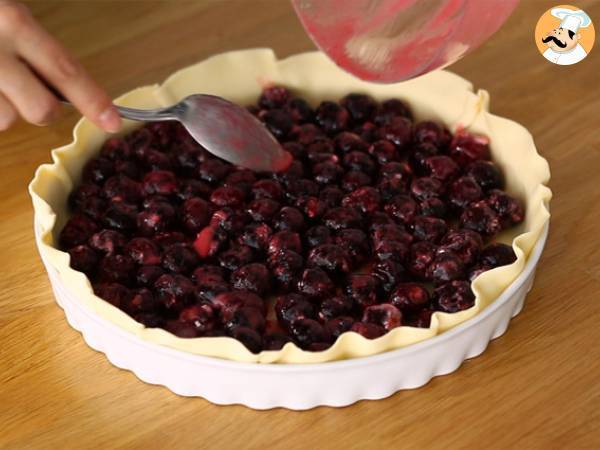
{"x": 564, "y": 35}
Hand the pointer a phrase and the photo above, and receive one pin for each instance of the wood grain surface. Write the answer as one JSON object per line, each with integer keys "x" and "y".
{"x": 535, "y": 387}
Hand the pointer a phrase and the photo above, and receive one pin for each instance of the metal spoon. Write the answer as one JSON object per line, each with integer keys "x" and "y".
{"x": 223, "y": 128}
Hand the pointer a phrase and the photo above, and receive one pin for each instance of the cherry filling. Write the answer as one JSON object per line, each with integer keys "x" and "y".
{"x": 378, "y": 222}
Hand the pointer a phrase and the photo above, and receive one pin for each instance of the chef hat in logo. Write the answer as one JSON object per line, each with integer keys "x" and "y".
{"x": 570, "y": 19}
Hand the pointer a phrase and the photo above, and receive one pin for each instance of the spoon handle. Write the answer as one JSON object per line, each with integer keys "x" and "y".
{"x": 144, "y": 115}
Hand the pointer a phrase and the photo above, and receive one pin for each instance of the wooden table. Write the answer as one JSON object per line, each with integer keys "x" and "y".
{"x": 536, "y": 387}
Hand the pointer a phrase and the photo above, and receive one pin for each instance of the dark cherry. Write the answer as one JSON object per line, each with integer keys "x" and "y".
{"x": 419, "y": 154}
{"x": 168, "y": 238}
{"x": 339, "y": 325}
{"x": 388, "y": 274}
{"x": 229, "y": 220}
{"x": 426, "y": 187}
{"x": 243, "y": 179}
{"x": 160, "y": 182}
{"x": 306, "y": 133}
{"x": 227, "y": 196}
{"x": 250, "y": 338}
{"x": 120, "y": 188}
{"x": 390, "y": 109}
{"x": 116, "y": 148}
{"x": 278, "y": 121}
{"x": 365, "y": 199}
{"x": 477, "y": 270}
{"x": 441, "y": 167}
{"x": 311, "y": 206}
{"x": 398, "y": 131}
{"x": 384, "y": 315}
{"x": 421, "y": 256}
{"x": 285, "y": 240}
{"x": 368, "y": 330}
{"x": 486, "y": 174}
{"x": 213, "y": 170}
{"x": 180, "y": 258}
{"x": 380, "y": 219}
{"x": 83, "y": 258}
{"x": 466, "y": 148}
{"x": 114, "y": 293}
{"x": 81, "y": 194}
{"x": 107, "y": 241}
{"x": 318, "y": 235}
{"x": 466, "y": 244}
{"x": 330, "y": 257}
{"x": 117, "y": 268}
{"x": 302, "y": 188}
{"x": 263, "y": 209}
{"x": 120, "y": 216}
{"x": 422, "y": 319}
{"x": 332, "y": 195}
{"x": 129, "y": 169}
{"x": 430, "y": 229}
{"x": 286, "y": 267}
{"x": 392, "y": 250}
{"x": 359, "y": 162}
{"x": 432, "y": 133}
{"x": 253, "y": 277}
{"x": 481, "y": 218}
{"x": 147, "y": 275}
{"x": 354, "y": 180}
{"x": 309, "y": 334}
{"x": 155, "y": 219}
{"x": 333, "y": 307}
{"x": 355, "y": 243}
{"x": 362, "y": 289}
{"x": 143, "y": 251}
{"x": 207, "y": 272}
{"x": 367, "y": 131}
{"x": 196, "y": 213}
{"x": 383, "y": 151}
{"x": 236, "y": 257}
{"x": 227, "y": 302}
{"x": 256, "y": 236}
{"x": 464, "y": 191}
{"x": 290, "y": 219}
{"x": 361, "y": 107}
{"x": 292, "y": 307}
{"x": 150, "y": 319}
{"x": 497, "y": 254}
{"x": 347, "y": 142}
{"x": 315, "y": 284}
{"x": 327, "y": 172}
{"x": 246, "y": 317}
{"x": 274, "y": 97}
{"x": 297, "y": 150}
{"x": 391, "y": 232}
{"x": 299, "y": 110}
{"x": 332, "y": 118}
{"x": 453, "y": 297}
{"x": 508, "y": 208}
{"x": 340, "y": 218}
{"x": 446, "y": 267}
{"x": 410, "y": 297}
{"x": 397, "y": 167}
{"x": 321, "y": 151}
{"x": 189, "y": 188}
{"x": 141, "y": 300}
{"x": 434, "y": 207}
{"x": 77, "y": 231}
{"x": 402, "y": 208}
{"x": 98, "y": 170}
{"x": 267, "y": 189}
{"x": 201, "y": 317}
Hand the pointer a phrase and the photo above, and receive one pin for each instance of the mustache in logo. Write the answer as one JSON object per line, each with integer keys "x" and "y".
{"x": 556, "y": 41}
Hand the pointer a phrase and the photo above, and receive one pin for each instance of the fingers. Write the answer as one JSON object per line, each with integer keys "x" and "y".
{"x": 8, "y": 115}
{"x": 26, "y": 92}
{"x": 52, "y": 62}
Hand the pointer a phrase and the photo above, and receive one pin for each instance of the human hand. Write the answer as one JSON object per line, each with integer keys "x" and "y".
{"x": 28, "y": 55}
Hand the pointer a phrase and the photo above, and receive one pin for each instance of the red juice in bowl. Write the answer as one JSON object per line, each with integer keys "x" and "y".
{"x": 393, "y": 40}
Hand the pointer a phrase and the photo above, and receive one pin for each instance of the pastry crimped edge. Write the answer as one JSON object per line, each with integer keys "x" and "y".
{"x": 240, "y": 77}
